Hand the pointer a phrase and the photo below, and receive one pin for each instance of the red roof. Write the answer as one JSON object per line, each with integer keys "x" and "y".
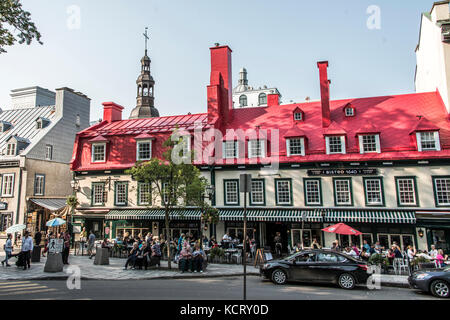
{"x": 424, "y": 125}
{"x": 392, "y": 116}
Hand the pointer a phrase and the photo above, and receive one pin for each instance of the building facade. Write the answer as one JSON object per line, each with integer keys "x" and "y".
{"x": 36, "y": 140}
{"x": 378, "y": 164}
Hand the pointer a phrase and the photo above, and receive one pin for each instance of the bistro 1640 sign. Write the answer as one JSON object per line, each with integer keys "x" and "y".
{"x": 342, "y": 172}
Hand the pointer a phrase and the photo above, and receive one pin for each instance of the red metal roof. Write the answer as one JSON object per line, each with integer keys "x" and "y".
{"x": 392, "y": 117}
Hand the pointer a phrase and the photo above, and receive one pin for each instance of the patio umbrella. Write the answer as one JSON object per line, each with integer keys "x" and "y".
{"x": 55, "y": 222}
{"x": 342, "y": 228}
{"x": 15, "y": 228}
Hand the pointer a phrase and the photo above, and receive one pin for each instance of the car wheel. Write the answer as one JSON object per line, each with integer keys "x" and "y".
{"x": 440, "y": 289}
{"x": 346, "y": 281}
{"x": 279, "y": 276}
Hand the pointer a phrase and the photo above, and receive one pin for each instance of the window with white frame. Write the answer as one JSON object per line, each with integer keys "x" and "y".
{"x": 342, "y": 192}
{"x": 335, "y": 144}
{"x": 262, "y": 99}
{"x": 312, "y": 192}
{"x": 298, "y": 116}
{"x": 442, "y": 191}
{"x": 98, "y": 194}
{"x": 406, "y": 191}
{"x": 230, "y": 149}
{"x": 428, "y": 141}
{"x": 374, "y": 195}
{"x": 5, "y": 221}
{"x": 98, "y": 152}
{"x": 48, "y": 152}
{"x": 8, "y": 185}
{"x": 144, "y": 194}
{"x": 349, "y": 112}
{"x": 256, "y": 149}
{"x": 295, "y": 147}
{"x": 144, "y": 150}
{"x": 257, "y": 192}
{"x": 165, "y": 192}
{"x": 369, "y": 143}
{"x": 11, "y": 149}
{"x": 39, "y": 185}
{"x": 121, "y": 193}
{"x": 231, "y": 192}
{"x": 186, "y": 141}
{"x": 283, "y": 191}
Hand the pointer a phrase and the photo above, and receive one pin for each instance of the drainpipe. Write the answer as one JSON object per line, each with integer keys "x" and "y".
{"x": 19, "y": 195}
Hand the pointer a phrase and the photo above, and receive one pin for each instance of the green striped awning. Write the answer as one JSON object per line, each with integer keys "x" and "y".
{"x": 153, "y": 214}
{"x": 372, "y": 216}
{"x": 294, "y": 215}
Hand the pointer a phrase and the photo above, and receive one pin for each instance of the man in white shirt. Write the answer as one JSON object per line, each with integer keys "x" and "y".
{"x": 433, "y": 252}
{"x": 226, "y": 240}
{"x": 27, "y": 248}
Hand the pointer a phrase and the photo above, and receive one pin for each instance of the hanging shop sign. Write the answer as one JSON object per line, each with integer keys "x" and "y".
{"x": 342, "y": 172}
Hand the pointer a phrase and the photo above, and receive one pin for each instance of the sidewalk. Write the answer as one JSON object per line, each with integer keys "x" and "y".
{"x": 114, "y": 271}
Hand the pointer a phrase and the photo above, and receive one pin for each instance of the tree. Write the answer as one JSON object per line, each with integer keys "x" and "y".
{"x": 174, "y": 182}
{"x": 16, "y": 25}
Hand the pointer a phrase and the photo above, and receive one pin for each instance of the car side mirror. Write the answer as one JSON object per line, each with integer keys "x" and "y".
{"x": 293, "y": 261}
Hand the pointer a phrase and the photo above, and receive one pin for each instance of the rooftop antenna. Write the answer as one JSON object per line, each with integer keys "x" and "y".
{"x": 146, "y": 38}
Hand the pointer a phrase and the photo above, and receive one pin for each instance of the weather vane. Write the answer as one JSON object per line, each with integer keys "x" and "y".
{"x": 146, "y": 38}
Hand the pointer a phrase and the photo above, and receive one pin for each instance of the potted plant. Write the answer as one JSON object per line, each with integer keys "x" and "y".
{"x": 378, "y": 260}
{"x": 216, "y": 254}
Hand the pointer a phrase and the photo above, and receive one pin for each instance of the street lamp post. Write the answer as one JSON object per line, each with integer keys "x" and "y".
{"x": 209, "y": 195}
{"x": 245, "y": 185}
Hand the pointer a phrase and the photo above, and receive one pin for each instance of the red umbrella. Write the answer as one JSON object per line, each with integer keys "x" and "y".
{"x": 342, "y": 228}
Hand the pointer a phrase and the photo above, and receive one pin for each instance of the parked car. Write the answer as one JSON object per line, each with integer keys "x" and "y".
{"x": 436, "y": 282}
{"x": 321, "y": 266}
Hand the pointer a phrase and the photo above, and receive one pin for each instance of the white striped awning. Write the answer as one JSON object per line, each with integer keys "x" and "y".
{"x": 52, "y": 204}
{"x": 370, "y": 216}
{"x": 153, "y": 214}
{"x": 276, "y": 214}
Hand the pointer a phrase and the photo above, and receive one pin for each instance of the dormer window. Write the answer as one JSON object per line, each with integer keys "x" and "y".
{"x": 41, "y": 122}
{"x": 256, "y": 149}
{"x": 262, "y": 99}
{"x": 230, "y": 149}
{"x": 428, "y": 141}
{"x": 98, "y": 152}
{"x": 295, "y": 146}
{"x": 369, "y": 143}
{"x": 11, "y": 149}
{"x": 298, "y": 114}
{"x": 243, "y": 100}
{"x": 144, "y": 150}
{"x": 349, "y": 110}
{"x": 4, "y": 126}
{"x": 335, "y": 144}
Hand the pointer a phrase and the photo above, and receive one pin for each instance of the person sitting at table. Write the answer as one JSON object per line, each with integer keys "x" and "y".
{"x": 315, "y": 244}
{"x": 185, "y": 257}
{"x": 132, "y": 256}
{"x": 355, "y": 249}
{"x": 212, "y": 242}
{"x": 226, "y": 240}
{"x": 181, "y": 241}
{"x": 433, "y": 252}
{"x": 364, "y": 255}
{"x": 155, "y": 258}
{"x": 198, "y": 257}
{"x": 349, "y": 251}
{"x": 390, "y": 256}
{"x": 439, "y": 260}
{"x": 378, "y": 247}
{"x": 297, "y": 248}
{"x": 141, "y": 257}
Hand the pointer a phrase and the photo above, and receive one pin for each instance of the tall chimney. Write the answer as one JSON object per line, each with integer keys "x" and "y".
{"x": 220, "y": 103}
{"x": 112, "y": 112}
{"x": 324, "y": 93}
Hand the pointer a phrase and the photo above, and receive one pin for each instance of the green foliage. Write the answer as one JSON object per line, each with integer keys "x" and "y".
{"x": 211, "y": 215}
{"x": 72, "y": 201}
{"x": 377, "y": 259}
{"x": 14, "y": 19}
{"x": 216, "y": 252}
{"x": 418, "y": 260}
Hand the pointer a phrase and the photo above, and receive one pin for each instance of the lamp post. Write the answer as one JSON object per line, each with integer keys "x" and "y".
{"x": 245, "y": 181}
{"x": 209, "y": 195}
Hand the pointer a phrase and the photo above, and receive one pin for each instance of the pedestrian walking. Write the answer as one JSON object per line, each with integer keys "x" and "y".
{"x": 66, "y": 250}
{"x": 47, "y": 242}
{"x": 27, "y": 248}
{"x": 91, "y": 242}
{"x": 278, "y": 244}
{"x": 8, "y": 250}
{"x": 37, "y": 238}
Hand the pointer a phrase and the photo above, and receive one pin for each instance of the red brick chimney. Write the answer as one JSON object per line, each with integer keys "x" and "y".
{"x": 273, "y": 99}
{"x": 220, "y": 103}
{"x": 112, "y": 112}
{"x": 324, "y": 93}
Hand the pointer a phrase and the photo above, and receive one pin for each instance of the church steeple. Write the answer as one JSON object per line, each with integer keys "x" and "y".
{"x": 145, "y": 100}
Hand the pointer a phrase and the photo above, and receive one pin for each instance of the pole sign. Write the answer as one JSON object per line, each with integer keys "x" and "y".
{"x": 55, "y": 245}
{"x": 245, "y": 182}
{"x": 342, "y": 172}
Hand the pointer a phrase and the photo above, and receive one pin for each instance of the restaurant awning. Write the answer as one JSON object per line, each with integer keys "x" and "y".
{"x": 52, "y": 204}
{"x": 153, "y": 214}
{"x": 293, "y": 215}
{"x": 371, "y": 216}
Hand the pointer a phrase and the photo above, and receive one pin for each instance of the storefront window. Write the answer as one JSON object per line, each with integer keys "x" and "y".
{"x": 387, "y": 240}
{"x": 305, "y": 237}
{"x": 439, "y": 239}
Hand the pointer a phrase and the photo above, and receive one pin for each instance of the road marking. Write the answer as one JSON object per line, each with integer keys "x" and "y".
{"x": 32, "y": 287}
{"x": 18, "y": 285}
{"x": 26, "y": 292}
{"x": 17, "y": 282}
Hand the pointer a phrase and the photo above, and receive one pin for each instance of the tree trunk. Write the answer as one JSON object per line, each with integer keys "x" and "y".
{"x": 168, "y": 238}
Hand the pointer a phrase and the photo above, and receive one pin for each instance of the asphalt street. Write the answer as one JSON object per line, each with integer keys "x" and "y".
{"x": 228, "y": 288}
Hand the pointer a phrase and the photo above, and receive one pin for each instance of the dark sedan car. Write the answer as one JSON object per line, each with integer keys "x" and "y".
{"x": 436, "y": 281}
{"x": 323, "y": 266}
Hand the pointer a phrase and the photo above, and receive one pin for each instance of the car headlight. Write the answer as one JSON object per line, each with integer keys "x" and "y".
{"x": 422, "y": 276}
{"x": 266, "y": 266}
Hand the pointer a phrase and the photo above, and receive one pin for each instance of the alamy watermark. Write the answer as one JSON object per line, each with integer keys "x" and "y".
{"x": 74, "y": 17}
{"x": 374, "y": 20}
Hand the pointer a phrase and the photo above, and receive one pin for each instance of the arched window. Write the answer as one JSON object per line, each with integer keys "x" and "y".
{"x": 243, "y": 100}
{"x": 262, "y": 99}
